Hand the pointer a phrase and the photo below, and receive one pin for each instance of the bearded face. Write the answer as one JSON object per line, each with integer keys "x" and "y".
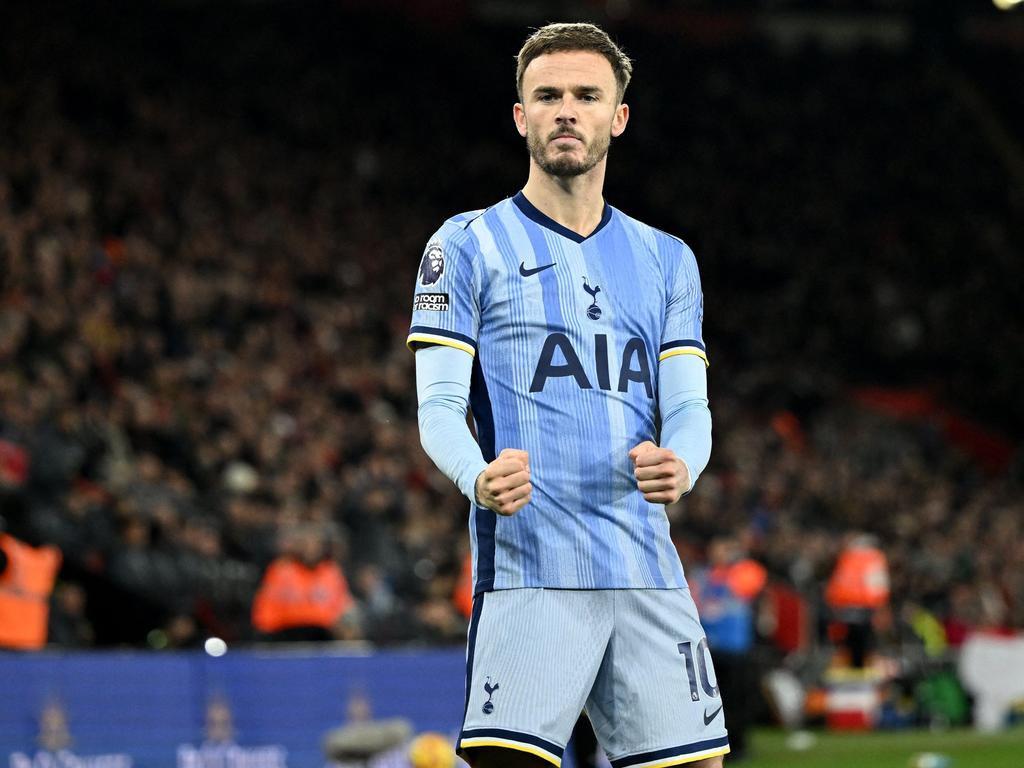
{"x": 569, "y": 111}
{"x": 558, "y": 160}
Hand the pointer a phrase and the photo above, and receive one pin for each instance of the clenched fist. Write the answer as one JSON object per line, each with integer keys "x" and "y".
{"x": 505, "y": 485}
{"x": 661, "y": 476}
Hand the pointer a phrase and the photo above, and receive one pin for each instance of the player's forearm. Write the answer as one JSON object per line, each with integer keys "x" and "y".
{"x": 447, "y": 440}
{"x": 687, "y": 432}
{"x": 685, "y": 416}
{"x": 442, "y": 382}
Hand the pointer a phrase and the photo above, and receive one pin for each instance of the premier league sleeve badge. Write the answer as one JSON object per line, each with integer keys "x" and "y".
{"x": 432, "y": 266}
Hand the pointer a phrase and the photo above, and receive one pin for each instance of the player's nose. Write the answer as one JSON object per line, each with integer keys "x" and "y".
{"x": 567, "y": 112}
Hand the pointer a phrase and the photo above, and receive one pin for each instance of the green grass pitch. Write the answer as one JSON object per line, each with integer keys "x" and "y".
{"x": 967, "y": 749}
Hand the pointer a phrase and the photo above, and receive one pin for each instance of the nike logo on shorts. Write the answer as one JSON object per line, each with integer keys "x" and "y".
{"x": 708, "y": 718}
{"x": 527, "y": 272}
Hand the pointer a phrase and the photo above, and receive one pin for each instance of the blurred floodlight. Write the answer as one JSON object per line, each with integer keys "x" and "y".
{"x": 215, "y": 646}
{"x": 1006, "y": 5}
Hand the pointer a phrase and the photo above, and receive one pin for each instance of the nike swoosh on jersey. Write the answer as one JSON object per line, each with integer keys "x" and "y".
{"x": 712, "y": 716}
{"x": 527, "y": 272}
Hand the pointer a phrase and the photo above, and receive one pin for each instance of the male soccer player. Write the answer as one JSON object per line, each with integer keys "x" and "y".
{"x": 568, "y": 326}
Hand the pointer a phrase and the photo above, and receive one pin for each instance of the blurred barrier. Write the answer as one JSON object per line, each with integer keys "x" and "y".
{"x": 245, "y": 709}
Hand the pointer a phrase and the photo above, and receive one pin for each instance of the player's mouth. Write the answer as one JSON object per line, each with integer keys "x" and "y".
{"x": 567, "y": 137}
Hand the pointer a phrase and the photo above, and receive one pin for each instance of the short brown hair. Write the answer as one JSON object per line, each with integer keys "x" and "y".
{"x": 574, "y": 37}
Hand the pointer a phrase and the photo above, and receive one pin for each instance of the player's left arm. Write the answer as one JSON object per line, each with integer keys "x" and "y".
{"x": 667, "y": 472}
{"x": 664, "y": 473}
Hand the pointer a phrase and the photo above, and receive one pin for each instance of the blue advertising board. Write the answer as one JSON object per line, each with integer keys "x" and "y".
{"x": 146, "y": 710}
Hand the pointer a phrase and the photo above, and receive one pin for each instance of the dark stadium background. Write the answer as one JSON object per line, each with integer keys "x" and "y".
{"x": 211, "y": 215}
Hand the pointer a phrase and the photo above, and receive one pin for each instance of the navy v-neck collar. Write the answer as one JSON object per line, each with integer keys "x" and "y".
{"x": 531, "y": 212}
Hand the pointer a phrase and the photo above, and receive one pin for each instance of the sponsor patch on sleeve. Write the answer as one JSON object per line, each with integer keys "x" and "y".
{"x": 430, "y": 302}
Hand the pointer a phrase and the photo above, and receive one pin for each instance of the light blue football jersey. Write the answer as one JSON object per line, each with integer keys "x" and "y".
{"x": 567, "y": 333}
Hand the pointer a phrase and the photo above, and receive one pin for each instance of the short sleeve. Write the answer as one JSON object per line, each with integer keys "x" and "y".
{"x": 684, "y": 313}
{"x": 446, "y": 307}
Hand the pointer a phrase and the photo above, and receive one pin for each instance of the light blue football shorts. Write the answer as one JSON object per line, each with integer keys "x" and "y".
{"x": 637, "y": 659}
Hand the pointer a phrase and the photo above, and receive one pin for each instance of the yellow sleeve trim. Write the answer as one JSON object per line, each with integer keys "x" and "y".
{"x": 444, "y": 341}
{"x": 684, "y": 351}
{"x": 519, "y": 747}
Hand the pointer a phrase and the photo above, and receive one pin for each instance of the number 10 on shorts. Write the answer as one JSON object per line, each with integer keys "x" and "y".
{"x": 691, "y": 669}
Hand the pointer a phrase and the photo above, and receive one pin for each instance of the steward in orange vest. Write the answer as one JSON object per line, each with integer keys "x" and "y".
{"x": 304, "y": 594}
{"x": 27, "y": 575}
{"x": 860, "y": 578}
{"x": 859, "y": 586}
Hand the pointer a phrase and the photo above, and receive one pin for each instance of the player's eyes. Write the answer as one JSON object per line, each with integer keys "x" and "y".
{"x": 550, "y": 98}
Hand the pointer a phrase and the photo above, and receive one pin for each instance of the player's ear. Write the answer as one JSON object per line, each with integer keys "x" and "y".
{"x": 620, "y": 119}
{"x": 519, "y": 115}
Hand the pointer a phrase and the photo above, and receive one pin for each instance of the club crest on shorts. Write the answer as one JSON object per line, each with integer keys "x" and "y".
{"x": 489, "y": 690}
{"x": 432, "y": 265}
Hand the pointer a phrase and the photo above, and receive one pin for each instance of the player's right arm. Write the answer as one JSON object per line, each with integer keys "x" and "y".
{"x": 443, "y": 333}
{"x": 442, "y": 385}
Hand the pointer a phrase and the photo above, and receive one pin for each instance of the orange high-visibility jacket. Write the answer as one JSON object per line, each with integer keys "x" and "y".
{"x": 860, "y": 580}
{"x": 25, "y": 588}
{"x": 746, "y": 579}
{"x": 293, "y": 594}
{"x": 462, "y": 595}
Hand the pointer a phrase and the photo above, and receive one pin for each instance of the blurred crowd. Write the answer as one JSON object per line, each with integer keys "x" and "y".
{"x": 209, "y": 231}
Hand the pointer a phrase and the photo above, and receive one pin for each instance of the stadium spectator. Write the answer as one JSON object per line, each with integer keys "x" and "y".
{"x": 304, "y": 595}
{"x": 725, "y": 591}
{"x": 27, "y": 576}
{"x": 68, "y": 625}
{"x": 856, "y": 591}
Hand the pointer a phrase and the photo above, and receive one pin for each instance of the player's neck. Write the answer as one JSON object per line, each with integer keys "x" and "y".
{"x": 576, "y": 203}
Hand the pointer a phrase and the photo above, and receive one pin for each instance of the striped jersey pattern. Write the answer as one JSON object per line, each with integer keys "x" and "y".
{"x": 566, "y": 333}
